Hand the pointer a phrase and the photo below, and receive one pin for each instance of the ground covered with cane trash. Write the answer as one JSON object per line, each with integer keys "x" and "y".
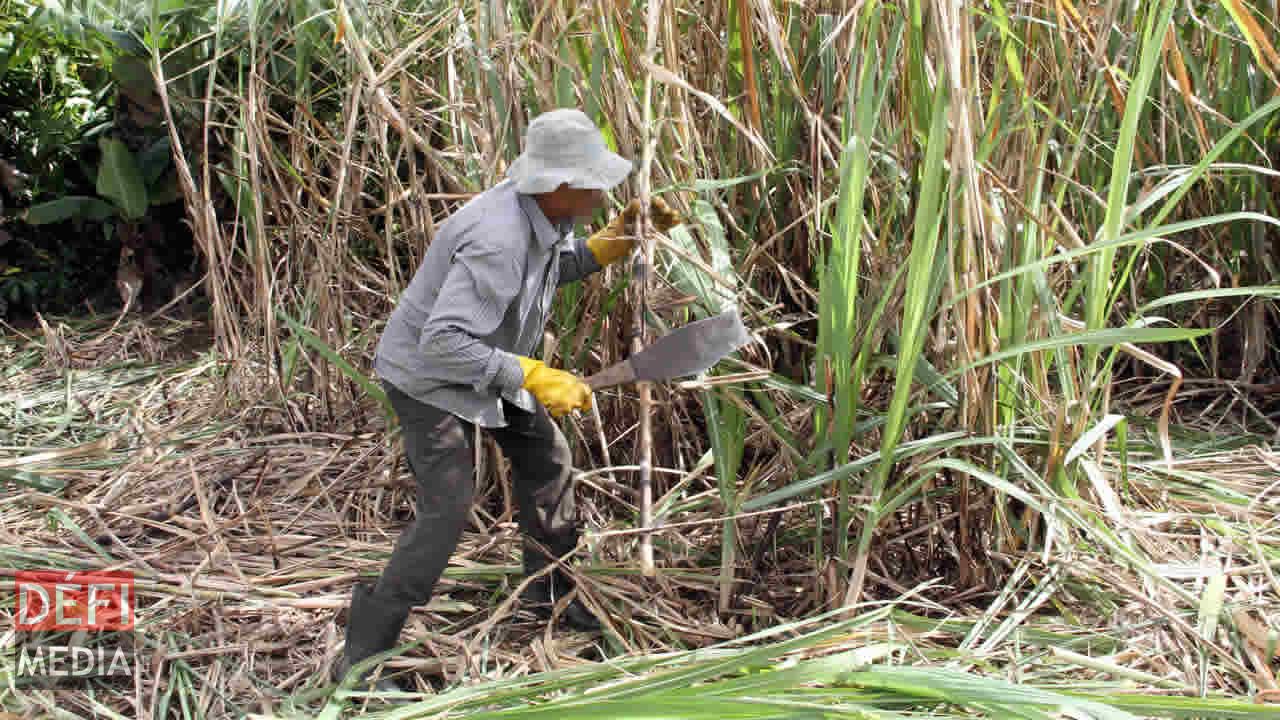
{"x": 244, "y": 542}
{"x": 1002, "y": 443}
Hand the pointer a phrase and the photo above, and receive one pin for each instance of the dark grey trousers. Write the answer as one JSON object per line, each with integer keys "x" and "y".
{"x": 440, "y": 449}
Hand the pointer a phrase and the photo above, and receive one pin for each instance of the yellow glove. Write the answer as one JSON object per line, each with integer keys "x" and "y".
{"x": 612, "y": 243}
{"x": 557, "y": 390}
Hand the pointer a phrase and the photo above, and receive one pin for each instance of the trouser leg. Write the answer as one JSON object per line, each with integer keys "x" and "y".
{"x": 438, "y": 446}
{"x": 439, "y": 449}
{"x": 542, "y": 469}
{"x": 543, "y": 480}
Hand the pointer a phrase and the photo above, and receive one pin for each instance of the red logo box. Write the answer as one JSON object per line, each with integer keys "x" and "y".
{"x": 62, "y": 600}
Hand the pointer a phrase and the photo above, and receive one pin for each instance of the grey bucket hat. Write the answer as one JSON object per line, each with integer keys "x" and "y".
{"x": 564, "y": 146}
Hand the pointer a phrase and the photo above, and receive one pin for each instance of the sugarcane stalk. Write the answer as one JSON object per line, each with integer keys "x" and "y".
{"x": 641, "y": 281}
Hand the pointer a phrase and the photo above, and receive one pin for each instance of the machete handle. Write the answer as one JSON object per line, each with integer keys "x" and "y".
{"x": 616, "y": 374}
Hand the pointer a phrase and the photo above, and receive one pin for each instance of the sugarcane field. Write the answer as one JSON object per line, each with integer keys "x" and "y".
{"x": 640, "y": 359}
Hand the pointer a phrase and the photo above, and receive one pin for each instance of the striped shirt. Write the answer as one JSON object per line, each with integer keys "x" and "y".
{"x": 481, "y": 297}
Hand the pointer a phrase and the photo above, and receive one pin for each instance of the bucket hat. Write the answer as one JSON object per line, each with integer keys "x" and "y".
{"x": 564, "y": 146}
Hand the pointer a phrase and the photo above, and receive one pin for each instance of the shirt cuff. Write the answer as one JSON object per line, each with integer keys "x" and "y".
{"x": 503, "y": 371}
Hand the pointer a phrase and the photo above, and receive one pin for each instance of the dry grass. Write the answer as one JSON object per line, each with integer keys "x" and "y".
{"x": 245, "y": 538}
{"x": 315, "y": 173}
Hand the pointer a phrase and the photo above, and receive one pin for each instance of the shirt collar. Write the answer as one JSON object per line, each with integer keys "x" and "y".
{"x": 546, "y": 233}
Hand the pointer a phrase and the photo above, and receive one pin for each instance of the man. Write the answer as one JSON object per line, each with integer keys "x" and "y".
{"x": 456, "y": 354}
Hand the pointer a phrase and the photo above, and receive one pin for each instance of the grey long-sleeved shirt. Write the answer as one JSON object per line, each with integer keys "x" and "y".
{"x": 480, "y": 298}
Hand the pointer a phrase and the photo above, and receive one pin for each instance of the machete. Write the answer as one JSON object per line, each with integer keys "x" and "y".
{"x": 687, "y": 350}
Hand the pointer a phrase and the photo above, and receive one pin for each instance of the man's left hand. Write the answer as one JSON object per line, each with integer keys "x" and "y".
{"x": 614, "y": 242}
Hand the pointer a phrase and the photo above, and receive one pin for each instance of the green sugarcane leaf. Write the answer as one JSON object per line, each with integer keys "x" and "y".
{"x": 340, "y": 362}
{"x": 691, "y": 279}
{"x": 43, "y": 483}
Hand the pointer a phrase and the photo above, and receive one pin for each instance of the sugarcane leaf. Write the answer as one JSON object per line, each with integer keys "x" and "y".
{"x": 340, "y": 362}
{"x": 688, "y": 277}
{"x": 43, "y": 483}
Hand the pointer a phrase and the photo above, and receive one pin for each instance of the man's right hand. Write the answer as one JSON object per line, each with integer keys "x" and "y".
{"x": 560, "y": 392}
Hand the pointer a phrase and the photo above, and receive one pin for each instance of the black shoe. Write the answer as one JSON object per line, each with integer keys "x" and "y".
{"x": 373, "y": 626}
{"x": 539, "y": 599}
